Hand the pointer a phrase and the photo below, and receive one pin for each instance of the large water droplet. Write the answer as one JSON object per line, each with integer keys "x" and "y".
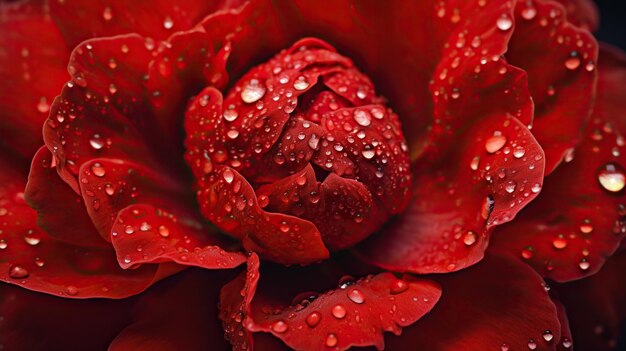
{"x": 300, "y": 83}
{"x": 253, "y": 91}
{"x": 573, "y": 62}
{"x": 547, "y": 335}
{"x": 611, "y": 177}
{"x": 230, "y": 115}
{"x": 331, "y": 340}
{"x": 228, "y": 175}
{"x": 495, "y": 143}
{"x": 469, "y": 238}
{"x": 504, "y": 23}
{"x": 313, "y": 319}
{"x": 279, "y": 326}
{"x": 356, "y": 296}
{"x": 96, "y": 142}
{"x": 338, "y": 311}
{"x": 363, "y": 118}
{"x": 98, "y": 170}
{"x": 163, "y": 231}
{"x": 559, "y": 242}
{"x": 398, "y": 286}
{"x": 18, "y": 272}
{"x": 168, "y": 23}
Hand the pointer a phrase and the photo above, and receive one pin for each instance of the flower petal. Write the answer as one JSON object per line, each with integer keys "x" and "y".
{"x": 498, "y": 304}
{"x": 582, "y": 13}
{"x": 560, "y": 61}
{"x": 32, "y": 70}
{"x": 53, "y": 200}
{"x": 83, "y": 19}
{"x": 377, "y": 303}
{"x": 578, "y": 220}
{"x": 596, "y": 307}
{"x": 34, "y": 260}
{"x": 230, "y": 201}
{"x": 495, "y": 169}
{"x": 145, "y": 234}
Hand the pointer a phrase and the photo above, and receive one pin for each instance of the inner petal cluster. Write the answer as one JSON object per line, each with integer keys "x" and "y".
{"x": 310, "y": 139}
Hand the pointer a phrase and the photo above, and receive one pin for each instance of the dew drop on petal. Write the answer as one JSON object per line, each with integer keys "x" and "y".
{"x": 339, "y": 311}
{"x": 96, "y": 142}
{"x": 611, "y": 177}
{"x": 469, "y": 238}
{"x": 163, "y": 231}
{"x": 228, "y": 175}
{"x": 331, "y": 340}
{"x": 253, "y": 91}
{"x": 504, "y": 23}
{"x": 168, "y": 23}
{"x": 356, "y": 296}
{"x": 313, "y": 319}
{"x": 547, "y": 335}
{"x": 495, "y": 143}
{"x": 300, "y": 83}
{"x": 18, "y": 272}
{"x": 573, "y": 62}
{"x": 279, "y": 326}
{"x": 98, "y": 170}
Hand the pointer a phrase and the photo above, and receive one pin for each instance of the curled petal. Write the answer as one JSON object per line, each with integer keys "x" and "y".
{"x": 498, "y": 304}
{"x": 492, "y": 174}
{"x": 145, "y": 234}
{"x": 578, "y": 220}
{"x": 231, "y": 202}
{"x": 356, "y": 313}
{"x": 37, "y": 261}
{"x": 560, "y": 60}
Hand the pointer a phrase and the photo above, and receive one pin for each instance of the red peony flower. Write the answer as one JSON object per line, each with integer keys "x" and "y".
{"x": 313, "y": 175}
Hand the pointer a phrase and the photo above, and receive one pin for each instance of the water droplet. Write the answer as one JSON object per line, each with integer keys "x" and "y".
{"x": 284, "y": 227}
{"x": 586, "y": 227}
{"x": 528, "y": 253}
{"x": 573, "y": 62}
{"x": 547, "y": 335}
{"x": 356, "y": 296}
{"x": 535, "y": 188}
{"x": 495, "y": 143}
{"x": 39, "y": 262}
{"x": 233, "y": 133}
{"x": 107, "y": 14}
{"x": 18, "y": 272}
{"x": 301, "y": 179}
{"x": 469, "y": 238}
{"x": 314, "y": 141}
{"x": 163, "y": 231}
{"x": 96, "y": 142}
{"x": 559, "y": 242}
{"x": 71, "y": 290}
{"x": 584, "y": 264}
{"x": 263, "y": 201}
{"x": 504, "y": 23}
{"x": 532, "y": 344}
{"x": 368, "y": 154}
{"x": 3, "y": 244}
{"x": 253, "y": 91}
{"x": 363, "y": 118}
{"x": 228, "y": 175}
{"x": 611, "y": 177}
{"x": 398, "y": 286}
{"x": 300, "y": 83}
{"x": 43, "y": 106}
{"x": 230, "y": 115}
{"x": 567, "y": 343}
{"x": 98, "y": 170}
{"x": 510, "y": 186}
{"x": 339, "y": 311}
{"x": 361, "y": 94}
{"x": 279, "y": 326}
{"x": 474, "y": 163}
{"x": 168, "y": 23}
{"x": 529, "y": 12}
{"x": 129, "y": 229}
{"x": 504, "y": 347}
{"x": 31, "y": 239}
{"x": 313, "y": 319}
{"x": 519, "y": 152}
{"x": 331, "y": 340}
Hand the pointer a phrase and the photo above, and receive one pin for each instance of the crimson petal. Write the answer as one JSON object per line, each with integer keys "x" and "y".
{"x": 53, "y": 200}
{"x": 35, "y": 260}
{"x": 230, "y": 201}
{"x": 582, "y": 13}
{"x": 32, "y": 70}
{"x": 560, "y": 61}
{"x": 315, "y": 321}
{"x": 596, "y": 307}
{"x": 492, "y": 173}
{"x": 578, "y": 220}
{"x": 498, "y": 304}
{"x": 145, "y": 234}
{"x": 83, "y": 19}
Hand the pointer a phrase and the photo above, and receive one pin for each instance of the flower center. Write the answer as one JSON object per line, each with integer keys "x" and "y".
{"x": 308, "y": 132}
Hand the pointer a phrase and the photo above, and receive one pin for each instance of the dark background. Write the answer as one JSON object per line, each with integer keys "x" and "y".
{"x": 613, "y": 30}
{"x": 612, "y": 22}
